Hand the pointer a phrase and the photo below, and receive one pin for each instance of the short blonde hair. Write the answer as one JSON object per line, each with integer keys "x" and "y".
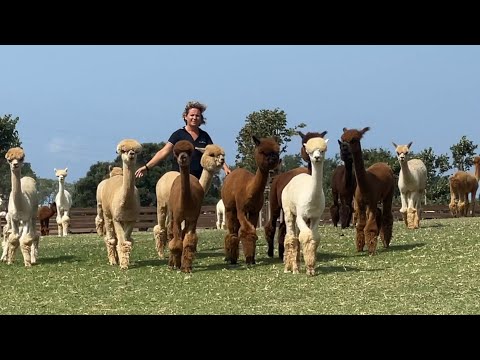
{"x": 195, "y": 105}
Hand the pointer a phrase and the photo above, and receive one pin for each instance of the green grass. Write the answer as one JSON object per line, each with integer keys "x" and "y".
{"x": 433, "y": 270}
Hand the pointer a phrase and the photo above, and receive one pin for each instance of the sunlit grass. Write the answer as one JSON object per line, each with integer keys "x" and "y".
{"x": 433, "y": 270}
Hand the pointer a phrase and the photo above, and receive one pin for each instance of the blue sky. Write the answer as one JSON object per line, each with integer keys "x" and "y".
{"x": 75, "y": 103}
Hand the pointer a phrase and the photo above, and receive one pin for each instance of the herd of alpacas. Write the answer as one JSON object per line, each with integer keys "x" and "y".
{"x": 361, "y": 196}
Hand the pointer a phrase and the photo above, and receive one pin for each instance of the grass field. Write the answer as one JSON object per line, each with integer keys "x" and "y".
{"x": 433, "y": 270}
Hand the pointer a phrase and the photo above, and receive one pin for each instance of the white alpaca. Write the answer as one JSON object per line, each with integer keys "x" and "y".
{"x": 212, "y": 161}
{"x": 64, "y": 203}
{"x": 121, "y": 206}
{"x": 220, "y": 214}
{"x": 303, "y": 201}
{"x": 22, "y": 213}
{"x": 412, "y": 182}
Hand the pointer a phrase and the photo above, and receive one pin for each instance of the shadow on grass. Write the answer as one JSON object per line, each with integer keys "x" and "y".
{"x": 149, "y": 262}
{"x": 58, "y": 259}
{"x": 402, "y": 247}
{"x": 436, "y": 225}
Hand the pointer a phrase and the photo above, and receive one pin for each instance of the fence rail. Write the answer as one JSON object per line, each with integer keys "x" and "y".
{"x": 83, "y": 219}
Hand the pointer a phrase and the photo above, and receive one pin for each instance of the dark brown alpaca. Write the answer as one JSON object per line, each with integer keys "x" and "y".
{"x": 374, "y": 185}
{"x": 184, "y": 204}
{"x": 275, "y": 198}
{"x": 343, "y": 189}
{"x": 44, "y": 214}
{"x": 242, "y": 195}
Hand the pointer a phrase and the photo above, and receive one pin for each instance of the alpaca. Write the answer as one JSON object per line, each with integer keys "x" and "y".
{"x": 343, "y": 188}
{"x": 212, "y": 161}
{"x": 462, "y": 184}
{"x": 44, "y": 214}
{"x": 242, "y": 195}
{"x": 412, "y": 183}
{"x": 99, "y": 221}
{"x": 375, "y": 184}
{"x": 303, "y": 202}
{"x": 220, "y": 211}
{"x": 64, "y": 203}
{"x": 121, "y": 206}
{"x": 275, "y": 198}
{"x": 22, "y": 213}
{"x": 184, "y": 204}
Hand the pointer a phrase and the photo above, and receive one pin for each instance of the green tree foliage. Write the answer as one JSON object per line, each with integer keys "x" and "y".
{"x": 463, "y": 153}
{"x": 438, "y": 190}
{"x": 47, "y": 190}
{"x": 85, "y": 189}
{"x": 9, "y": 138}
{"x": 263, "y": 123}
{"x": 290, "y": 162}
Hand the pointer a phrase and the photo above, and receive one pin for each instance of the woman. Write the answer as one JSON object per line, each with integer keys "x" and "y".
{"x": 193, "y": 117}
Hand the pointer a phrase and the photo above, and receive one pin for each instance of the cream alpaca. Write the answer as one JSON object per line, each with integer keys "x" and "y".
{"x": 99, "y": 222}
{"x": 303, "y": 202}
{"x": 212, "y": 161}
{"x": 121, "y": 206}
{"x": 22, "y": 213}
{"x": 64, "y": 203}
{"x": 412, "y": 183}
{"x": 220, "y": 211}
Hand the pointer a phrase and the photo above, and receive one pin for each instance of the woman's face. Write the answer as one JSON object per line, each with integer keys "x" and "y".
{"x": 194, "y": 117}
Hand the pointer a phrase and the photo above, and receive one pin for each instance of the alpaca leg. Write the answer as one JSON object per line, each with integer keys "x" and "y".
{"x": 111, "y": 242}
{"x": 290, "y": 243}
{"x": 7, "y": 230}
{"x": 270, "y": 229}
{"x": 26, "y": 241}
{"x": 13, "y": 243}
{"x": 282, "y": 229}
{"x": 335, "y": 209}
{"x": 474, "y": 195}
{"x": 175, "y": 246}
{"x": 360, "y": 235}
{"x": 403, "y": 209}
{"x": 59, "y": 224}
{"x": 47, "y": 226}
{"x": 34, "y": 250}
{"x": 125, "y": 242}
{"x": 189, "y": 249}
{"x": 387, "y": 226}
{"x": 160, "y": 231}
{"x": 467, "y": 205}
{"x": 248, "y": 236}
{"x": 231, "y": 242}
{"x": 99, "y": 222}
{"x": 309, "y": 238}
{"x": 65, "y": 224}
{"x": 371, "y": 231}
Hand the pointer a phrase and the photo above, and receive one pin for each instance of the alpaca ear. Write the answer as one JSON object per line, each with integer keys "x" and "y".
{"x": 326, "y": 141}
{"x": 323, "y": 134}
{"x": 345, "y": 129}
{"x": 202, "y": 150}
{"x": 66, "y": 169}
{"x": 256, "y": 140}
{"x": 302, "y": 135}
{"x": 55, "y": 170}
{"x": 394, "y": 145}
{"x": 339, "y": 142}
{"x": 410, "y": 144}
{"x": 364, "y": 130}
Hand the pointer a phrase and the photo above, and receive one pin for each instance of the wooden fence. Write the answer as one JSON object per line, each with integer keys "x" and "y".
{"x": 83, "y": 219}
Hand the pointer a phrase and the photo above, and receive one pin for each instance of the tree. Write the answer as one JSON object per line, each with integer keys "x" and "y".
{"x": 85, "y": 190}
{"x": 290, "y": 162}
{"x": 47, "y": 190}
{"x": 438, "y": 190}
{"x": 9, "y": 138}
{"x": 463, "y": 153}
{"x": 264, "y": 123}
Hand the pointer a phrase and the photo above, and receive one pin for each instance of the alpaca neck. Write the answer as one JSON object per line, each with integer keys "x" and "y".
{"x": 206, "y": 180}
{"x": 61, "y": 190}
{"x": 186, "y": 193}
{"x": 349, "y": 176}
{"x": 477, "y": 171}
{"x": 407, "y": 174}
{"x": 260, "y": 180}
{"x": 128, "y": 180}
{"x": 317, "y": 176}
{"x": 360, "y": 172}
{"x": 17, "y": 190}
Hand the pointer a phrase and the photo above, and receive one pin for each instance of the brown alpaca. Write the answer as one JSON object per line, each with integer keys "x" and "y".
{"x": 184, "y": 204}
{"x": 462, "y": 184}
{"x": 44, "y": 214}
{"x": 375, "y": 184}
{"x": 242, "y": 195}
{"x": 275, "y": 198}
{"x": 343, "y": 189}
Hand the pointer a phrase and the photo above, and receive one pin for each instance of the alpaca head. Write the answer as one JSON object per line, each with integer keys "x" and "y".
{"x": 476, "y": 162}
{"x": 305, "y": 138}
{"x": 345, "y": 153}
{"x": 316, "y": 148}
{"x": 352, "y": 137}
{"x": 128, "y": 150}
{"x": 115, "y": 170}
{"x": 213, "y": 157}
{"x": 61, "y": 174}
{"x": 183, "y": 151}
{"x": 402, "y": 151}
{"x": 15, "y": 157}
{"x": 267, "y": 153}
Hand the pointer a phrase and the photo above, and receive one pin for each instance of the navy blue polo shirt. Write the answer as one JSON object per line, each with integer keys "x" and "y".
{"x": 203, "y": 140}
